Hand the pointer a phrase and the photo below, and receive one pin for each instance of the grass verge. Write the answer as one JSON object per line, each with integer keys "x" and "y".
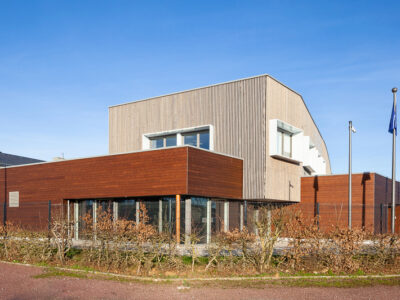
{"x": 328, "y": 281}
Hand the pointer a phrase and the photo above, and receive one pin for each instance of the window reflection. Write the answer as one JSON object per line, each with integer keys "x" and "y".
{"x": 204, "y": 140}
{"x": 190, "y": 139}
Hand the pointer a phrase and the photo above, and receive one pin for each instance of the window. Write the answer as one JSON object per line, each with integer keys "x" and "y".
{"x": 200, "y": 139}
{"x": 190, "y": 139}
{"x": 170, "y": 141}
{"x": 127, "y": 209}
{"x": 284, "y": 143}
{"x": 200, "y": 136}
{"x": 163, "y": 141}
{"x": 204, "y": 139}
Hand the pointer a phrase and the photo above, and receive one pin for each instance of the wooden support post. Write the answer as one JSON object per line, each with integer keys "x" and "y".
{"x": 178, "y": 218}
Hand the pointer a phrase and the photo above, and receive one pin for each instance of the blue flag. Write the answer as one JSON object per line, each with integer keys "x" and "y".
{"x": 393, "y": 120}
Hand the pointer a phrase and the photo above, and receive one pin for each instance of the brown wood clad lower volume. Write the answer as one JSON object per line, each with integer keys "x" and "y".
{"x": 163, "y": 172}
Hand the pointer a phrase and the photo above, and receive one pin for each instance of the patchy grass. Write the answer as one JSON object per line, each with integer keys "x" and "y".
{"x": 328, "y": 282}
{"x": 59, "y": 273}
{"x": 338, "y": 282}
{"x": 311, "y": 280}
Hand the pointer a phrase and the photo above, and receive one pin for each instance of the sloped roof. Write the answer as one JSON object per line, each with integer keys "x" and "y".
{"x": 14, "y": 160}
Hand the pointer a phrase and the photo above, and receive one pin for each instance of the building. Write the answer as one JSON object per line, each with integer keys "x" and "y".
{"x": 7, "y": 160}
{"x": 201, "y": 160}
{"x": 257, "y": 119}
{"x": 324, "y": 199}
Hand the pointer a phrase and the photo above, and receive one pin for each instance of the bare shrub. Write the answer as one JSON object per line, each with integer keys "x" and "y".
{"x": 306, "y": 244}
{"x": 62, "y": 236}
{"x": 26, "y": 246}
{"x": 344, "y": 246}
{"x": 270, "y": 225}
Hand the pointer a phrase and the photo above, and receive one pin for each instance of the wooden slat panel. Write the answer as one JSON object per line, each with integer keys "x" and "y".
{"x": 331, "y": 192}
{"x": 383, "y": 199}
{"x": 148, "y": 173}
{"x": 214, "y": 175}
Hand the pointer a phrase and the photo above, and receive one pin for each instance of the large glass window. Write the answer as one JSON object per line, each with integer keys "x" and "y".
{"x": 284, "y": 143}
{"x": 127, "y": 209}
{"x": 105, "y": 206}
{"x": 234, "y": 215}
{"x": 152, "y": 207}
{"x": 199, "y": 218}
{"x": 85, "y": 213}
{"x": 168, "y": 213}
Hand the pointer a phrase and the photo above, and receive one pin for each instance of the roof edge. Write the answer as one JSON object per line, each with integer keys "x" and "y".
{"x": 190, "y": 90}
{"x": 232, "y": 81}
{"x": 309, "y": 113}
{"x": 121, "y": 153}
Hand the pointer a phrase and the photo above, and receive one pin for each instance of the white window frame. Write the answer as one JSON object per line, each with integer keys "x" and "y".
{"x": 303, "y": 150}
{"x": 146, "y": 138}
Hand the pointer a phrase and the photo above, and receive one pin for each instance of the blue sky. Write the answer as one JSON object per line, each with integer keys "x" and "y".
{"x": 62, "y": 63}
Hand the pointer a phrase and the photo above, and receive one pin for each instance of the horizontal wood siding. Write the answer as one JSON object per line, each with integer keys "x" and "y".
{"x": 148, "y": 173}
{"x": 383, "y": 199}
{"x": 214, "y": 175}
{"x": 331, "y": 192}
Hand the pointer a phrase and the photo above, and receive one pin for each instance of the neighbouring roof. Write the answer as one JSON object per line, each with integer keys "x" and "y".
{"x": 14, "y": 160}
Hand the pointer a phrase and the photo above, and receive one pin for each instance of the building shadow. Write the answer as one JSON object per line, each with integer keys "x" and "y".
{"x": 316, "y": 205}
{"x": 365, "y": 178}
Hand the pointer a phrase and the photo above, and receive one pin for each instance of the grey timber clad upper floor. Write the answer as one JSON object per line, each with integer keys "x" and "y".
{"x": 239, "y": 112}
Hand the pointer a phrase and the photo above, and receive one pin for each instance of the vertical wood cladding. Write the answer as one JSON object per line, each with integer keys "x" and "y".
{"x": 148, "y": 173}
{"x": 239, "y": 111}
{"x": 283, "y": 178}
{"x": 331, "y": 192}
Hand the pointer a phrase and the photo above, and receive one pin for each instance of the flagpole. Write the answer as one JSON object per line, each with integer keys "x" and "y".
{"x": 349, "y": 210}
{"x": 394, "y": 90}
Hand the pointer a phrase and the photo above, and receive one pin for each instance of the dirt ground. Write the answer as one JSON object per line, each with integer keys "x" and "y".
{"x": 19, "y": 282}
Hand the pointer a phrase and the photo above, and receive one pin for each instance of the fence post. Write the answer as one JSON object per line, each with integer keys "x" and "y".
{"x": 5, "y": 213}
{"x": 381, "y": 218}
